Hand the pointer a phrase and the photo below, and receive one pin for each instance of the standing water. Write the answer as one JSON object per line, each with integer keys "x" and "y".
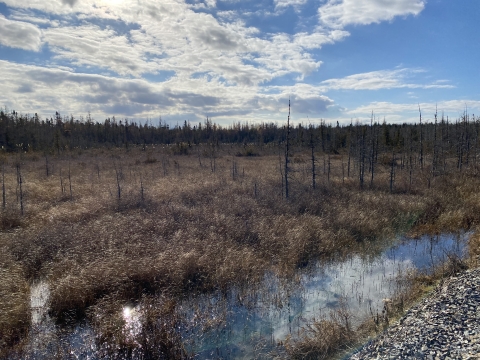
{"x": 247, "y": 323}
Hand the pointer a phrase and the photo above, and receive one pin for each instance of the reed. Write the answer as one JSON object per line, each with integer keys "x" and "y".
{"x": 176, "y": 227}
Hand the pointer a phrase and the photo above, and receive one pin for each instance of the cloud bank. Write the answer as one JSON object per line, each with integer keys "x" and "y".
{"x": 186, "y": 59}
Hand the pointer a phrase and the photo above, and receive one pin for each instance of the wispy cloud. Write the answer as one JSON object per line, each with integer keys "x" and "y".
{"x": 285, "y": 3}
{"x": 410, "y": 110}
{"x": 382, "y": 79}
{"x": 338, "y": 14}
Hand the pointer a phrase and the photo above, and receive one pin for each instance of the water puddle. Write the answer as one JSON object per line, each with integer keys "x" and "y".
{"x": 133, "y": 324}
{"x": 39, "y": 294}
{"x": 251, "y": 326}
{"x": 248, "y": 324}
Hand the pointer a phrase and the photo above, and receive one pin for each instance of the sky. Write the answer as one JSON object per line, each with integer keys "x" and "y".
{"x": 241, "y": 60}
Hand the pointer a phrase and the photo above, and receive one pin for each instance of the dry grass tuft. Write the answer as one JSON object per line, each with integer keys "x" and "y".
{"x": 10, "y": 219}
{"x": 325, "y": 337}
{"x": 14, "y": 303}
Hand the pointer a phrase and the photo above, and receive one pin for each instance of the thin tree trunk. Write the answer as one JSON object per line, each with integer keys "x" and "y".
{"x": 312, "y": 145}
{"x": 70, "y": 181}
{"x": 46, "y": 165}
{"x": 287, "y": 153}
{"x": 392, "y": 172}
{"x": 20, "y": 182}
{"x": 4, "y": 199}
{"x": 421, "y": 138}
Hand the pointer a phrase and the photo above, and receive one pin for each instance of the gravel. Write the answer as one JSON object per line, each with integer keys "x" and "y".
{"x": 445, "y": 325}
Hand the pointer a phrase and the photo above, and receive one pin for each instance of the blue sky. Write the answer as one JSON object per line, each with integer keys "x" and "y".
{"x": 241, "y": 60}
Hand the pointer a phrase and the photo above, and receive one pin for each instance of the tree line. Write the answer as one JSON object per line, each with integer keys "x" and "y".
{"x": 412, "y": 143}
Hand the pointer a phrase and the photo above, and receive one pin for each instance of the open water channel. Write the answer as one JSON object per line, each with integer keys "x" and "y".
{"x": 244, "y": 324}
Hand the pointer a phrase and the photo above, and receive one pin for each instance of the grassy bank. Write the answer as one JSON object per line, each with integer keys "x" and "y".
{"x": 334, "y": 336}
{"x": 111, "y": 227}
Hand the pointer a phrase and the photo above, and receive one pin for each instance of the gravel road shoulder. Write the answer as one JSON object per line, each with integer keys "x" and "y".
{"x": 444, "y": 325}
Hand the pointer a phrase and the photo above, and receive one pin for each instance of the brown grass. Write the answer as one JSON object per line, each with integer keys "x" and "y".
{"x": 14, "y": 302}
{"x": 325, "y": 337}
{"x": 196, "y": 230}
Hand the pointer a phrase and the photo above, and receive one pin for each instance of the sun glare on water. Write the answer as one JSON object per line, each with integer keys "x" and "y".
{"x": 127, "y": 313}
{"x": 131, "y": 316}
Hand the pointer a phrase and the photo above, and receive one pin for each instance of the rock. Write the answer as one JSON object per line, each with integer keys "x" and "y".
{"x": 442, "y": 326}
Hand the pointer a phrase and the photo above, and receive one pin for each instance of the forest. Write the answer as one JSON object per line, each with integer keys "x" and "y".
{"x": 439, "y": 138}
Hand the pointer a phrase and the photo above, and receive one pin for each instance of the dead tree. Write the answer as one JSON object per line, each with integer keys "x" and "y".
{"x": 62, "y": 186}
{"x": 118, "y": 175}
{"x": 142, "y": 197}
{"x": 392, "y": 172}
{"x": 372, "y": 153}
{"x": 70, "y": 181}
{"x": 287, "y": 153}
{"x": 46, "y": 165}
{"x": 349, "y": 148}
{"x": 435, "y": 147}
{"x": 4, "y": 199}
{"x": 362, "y": 154}
{"x": 20, "y": 183}
{"x": 421, "y": 138}
{"x": 312, "y": 147}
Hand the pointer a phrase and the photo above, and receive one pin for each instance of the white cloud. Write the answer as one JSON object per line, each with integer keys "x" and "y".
{"x": 217, "y": 64}
{"x": 339, "y": 13}
{"x": 20, "y": 35}
{"x": 47, "y": 90}
{"x": 286, "y": 3}
{"x": 173, "y": 37}
{"x": 28, "y": 16}
{"x": 382, "y": 79}
{"x": 88, "y": 45}
{"x": 211, "y": 3}
{"x": 408, "y": 112}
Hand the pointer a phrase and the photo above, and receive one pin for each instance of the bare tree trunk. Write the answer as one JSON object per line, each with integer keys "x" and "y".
{"x": 4, "y": 199}
{"x": 199, "y": 157}
{"x": 421, "y": 138}
{"x": 328, "y": 176}
{"x": 281, "y": 170}
{"x": 62, "y": 187}
{"x": 362, "y": 159}
{"x": 392, "y": 172}
{"x": 119, "y": 189}
{"x": 372, "y": 162}
{"x": 142, "y": 197}
{"x": 312, "y": 146}
{"x": 349, "y": 150}
{"x": 70, "y": 181}
{"x": 20, "y": 182}
{"x": 287, "y": 152}
{"x": 435, "y": 150}
{"x": 46, "y": 164}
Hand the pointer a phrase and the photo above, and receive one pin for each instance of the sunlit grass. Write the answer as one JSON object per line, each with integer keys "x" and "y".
{"x": 193, "y": 230}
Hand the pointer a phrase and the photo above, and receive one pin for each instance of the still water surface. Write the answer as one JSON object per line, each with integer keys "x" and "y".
{"x": 250, "y": 323}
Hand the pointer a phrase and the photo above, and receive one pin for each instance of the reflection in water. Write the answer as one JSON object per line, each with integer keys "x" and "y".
{"x": 39, "y": 294}
{"x": 254, "y": 323}
{"x": 247, "y": 324}
{"x": 133, "y": 325}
